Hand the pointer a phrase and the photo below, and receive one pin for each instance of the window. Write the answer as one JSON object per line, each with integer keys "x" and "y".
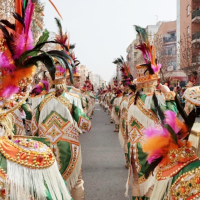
{"x": 188, "y": 31}
{"x": 188, "y": 53}
{"x": 188, "y": 10}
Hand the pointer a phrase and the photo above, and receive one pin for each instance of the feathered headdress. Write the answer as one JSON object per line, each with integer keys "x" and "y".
{"x": 167, "y": 144}
{"x": 63, "y": 38}
{"x": 115, "y": 81}
{"x": 19, "y": 56}
{"x": 124, "y": 68}
{"x": 148, "y": 51}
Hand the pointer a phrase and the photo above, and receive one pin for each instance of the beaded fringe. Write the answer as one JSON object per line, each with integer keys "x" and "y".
{"x": 23, "y": 183}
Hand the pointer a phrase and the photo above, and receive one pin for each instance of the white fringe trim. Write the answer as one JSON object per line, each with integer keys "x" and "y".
{"x": 161, "y": 189}
{"x": 36, "y": 101}
{"x": 121, "y": 138}
{"x": 24, "y": 182}
{"x": 149, "y": 101}
{"x": 128, "y": 182}
{"x": 55, "y": 105}
{"x": 73, "y": 178}
{"x": 144, "y": 187}
{"x": 142, "y": 118}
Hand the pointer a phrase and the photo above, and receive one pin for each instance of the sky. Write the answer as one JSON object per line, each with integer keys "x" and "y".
{"x": 103, "y": 29}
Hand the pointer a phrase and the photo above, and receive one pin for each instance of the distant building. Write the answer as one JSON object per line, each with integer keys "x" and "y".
{"x": 167, "y": 53}
{"x": 188, "y": 30}
{"x": 83, "y": 71}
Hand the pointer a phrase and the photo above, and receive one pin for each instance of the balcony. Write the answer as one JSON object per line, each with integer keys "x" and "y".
{"x": 196, "y": 16}
{"x": 196, "y": 37}
{"x": 195, "y": 60}
{"x": 169, "y": 39}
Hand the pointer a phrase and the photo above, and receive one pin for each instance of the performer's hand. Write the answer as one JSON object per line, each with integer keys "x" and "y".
{"x": 163, "y": 88}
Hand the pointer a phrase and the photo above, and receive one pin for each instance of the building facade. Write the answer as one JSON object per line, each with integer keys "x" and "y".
{"x": 166, "y": 47}
{"x": 188, "y": 31}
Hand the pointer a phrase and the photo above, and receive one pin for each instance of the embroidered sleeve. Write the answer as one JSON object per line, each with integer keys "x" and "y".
{"x": 27, "y": 110}
{"x": 82, "y": 120}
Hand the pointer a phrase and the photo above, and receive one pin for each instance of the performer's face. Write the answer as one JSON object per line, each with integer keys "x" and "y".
{"x": 125, "y": 88}
{"x": 77, "y": 82}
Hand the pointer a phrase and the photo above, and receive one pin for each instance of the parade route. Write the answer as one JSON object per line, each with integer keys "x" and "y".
{"x": 103, "y": 168}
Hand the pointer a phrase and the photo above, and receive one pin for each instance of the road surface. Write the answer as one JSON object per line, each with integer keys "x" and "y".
{"x": 103, "y": 167}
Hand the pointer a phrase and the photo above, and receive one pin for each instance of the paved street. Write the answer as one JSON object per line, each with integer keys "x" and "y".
{"x": 103, "y": 166}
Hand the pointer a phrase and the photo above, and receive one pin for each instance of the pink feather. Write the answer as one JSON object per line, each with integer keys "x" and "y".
{"x": 46, "y": 85}
{"x": 146, "y": 55}
{"x": 170, "y": 119}
{"x": 28, "y": 17}
{"x": 10, "y": 90}
{"x": 61, "y": 69}
{"x": 156, "y": 68}
{"x": 18, "y": 45}
{"x": 6, "y": 63}
{"x": 30, "y": 41}
{"x": 155, "y": 131}
{"x": 155, "y": 155}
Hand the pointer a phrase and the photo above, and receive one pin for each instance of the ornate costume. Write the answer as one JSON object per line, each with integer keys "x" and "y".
{"x": 28, "y": 168}
{"x": 142, "y": 113}
{"x": 60, "y": 118}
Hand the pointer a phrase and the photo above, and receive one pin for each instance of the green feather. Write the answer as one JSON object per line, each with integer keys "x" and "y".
{"x": 59, "y": 27}
{"x": 43, "y": 38}
{"x": 171, "y": 131}
{"x": 142, "y": 33}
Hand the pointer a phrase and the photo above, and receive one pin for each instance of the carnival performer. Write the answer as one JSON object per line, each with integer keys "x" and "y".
{"x": 60, "y": 118}
{"x": 143, "y": 113}
{"x": 127, "y": 80}
{"x": 169, "y": 151}
{"x": 108, "y": 99}
{"x": 116, "y": 102}
{"x": 28, "y": 167}
{"x": 90, "y": 97}
{"x": 191, "y": 94}
{"x": 112, "y": 98}
{"x": 84, "y": 98}
{"x": 39, "y": 91}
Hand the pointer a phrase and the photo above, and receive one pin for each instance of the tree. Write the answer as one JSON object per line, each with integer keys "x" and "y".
{"x": 166, "y": 55}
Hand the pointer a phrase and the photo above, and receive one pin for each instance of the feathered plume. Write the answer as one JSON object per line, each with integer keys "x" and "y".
{"x": 61, "y": 37}
{"x": 161, "y": 139}
{"x": 18, "y": 60}
{"x": 148, "y": 50}
{"x": 124, "y": 68}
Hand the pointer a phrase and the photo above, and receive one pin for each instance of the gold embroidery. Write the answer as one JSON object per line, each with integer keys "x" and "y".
{"x": 149, "y": 113}
{"x": 187, "y": 185}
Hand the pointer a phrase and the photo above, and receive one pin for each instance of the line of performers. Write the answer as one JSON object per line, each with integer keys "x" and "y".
{"x": 158, "y": 153}
{"x": 47, "y": 164}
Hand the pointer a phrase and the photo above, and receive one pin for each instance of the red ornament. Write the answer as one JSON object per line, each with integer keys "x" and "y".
{"x": 23, "y": 156}
{"x": 3, "y": 192}
{"x": 40, "y": 159}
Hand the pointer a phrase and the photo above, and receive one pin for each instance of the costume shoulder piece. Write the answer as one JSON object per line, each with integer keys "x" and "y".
{"x": 74, "y": 95}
